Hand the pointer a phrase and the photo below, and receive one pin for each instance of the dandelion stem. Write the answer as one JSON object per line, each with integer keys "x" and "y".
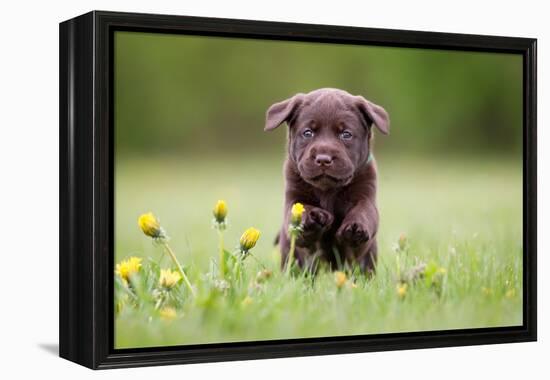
{"x": 180, "y": 269}
{"x": 128, "y": 291}
{"x": 290, "y": 261}
{"x": 398, "y": 265}
{"x": 237, "y": 269}
{"x": 222, "y": 254}
{"x": 258, "y": 261}
{"x": 157, "y": 305}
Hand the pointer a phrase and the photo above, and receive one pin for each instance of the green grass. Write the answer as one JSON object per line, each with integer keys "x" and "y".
{"x": 461, "y": 215}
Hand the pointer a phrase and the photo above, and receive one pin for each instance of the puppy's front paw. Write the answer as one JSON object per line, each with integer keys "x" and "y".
{"x": 353, "y": 234}
{"x": 316, "y": 220}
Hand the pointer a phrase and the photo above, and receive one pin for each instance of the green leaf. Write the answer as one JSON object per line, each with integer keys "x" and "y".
{"x": 430, "y": 272}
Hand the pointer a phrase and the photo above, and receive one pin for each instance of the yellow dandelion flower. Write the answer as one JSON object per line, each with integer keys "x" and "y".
{"x": 402, "y": 290}
{"x": 127, "y": 268}
{"x": 168, "y": 313}
{"x": 220, "y": 211}
{"x": 247, "y": 301}
{"x": 168, "y": 279}
{"x": 296, "y": 214}
{"x": 150, "y": 225}
{"x": 442, "y": 270}
{"x": 510, "y": 293}
{"x": 248, "y": 239}
{"x": 340, "y": 279}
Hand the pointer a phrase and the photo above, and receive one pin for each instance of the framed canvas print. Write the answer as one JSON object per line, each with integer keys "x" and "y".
{"x": 236, "y": 189}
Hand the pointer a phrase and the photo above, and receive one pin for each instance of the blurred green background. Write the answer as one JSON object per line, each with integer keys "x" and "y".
{"x": 186, "y": 94}
{"x": 189, "y": 118}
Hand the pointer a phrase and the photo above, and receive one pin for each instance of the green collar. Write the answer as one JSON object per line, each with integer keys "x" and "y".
{"x": 370, "y": 158}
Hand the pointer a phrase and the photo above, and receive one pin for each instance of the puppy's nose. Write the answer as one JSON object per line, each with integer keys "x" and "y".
{"x": 323, "y": 160}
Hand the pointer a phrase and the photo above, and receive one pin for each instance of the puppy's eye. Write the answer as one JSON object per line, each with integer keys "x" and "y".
{"x": 308, "y": 133}
{"x": 346, "y": 135}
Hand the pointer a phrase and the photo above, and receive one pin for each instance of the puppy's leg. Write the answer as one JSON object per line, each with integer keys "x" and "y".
{"x": 364, "y": 254}
{"x": 356, "y": 237}
{"x": 315, "y": 222}
{"x": 367, "y": 258}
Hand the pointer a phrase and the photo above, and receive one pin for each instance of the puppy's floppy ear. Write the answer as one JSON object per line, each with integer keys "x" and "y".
{"x": 283, "y": 111}
{"x": 374, "y": 114}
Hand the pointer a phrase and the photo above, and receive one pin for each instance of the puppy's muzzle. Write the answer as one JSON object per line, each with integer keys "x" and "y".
{"x": 323, "y": 160}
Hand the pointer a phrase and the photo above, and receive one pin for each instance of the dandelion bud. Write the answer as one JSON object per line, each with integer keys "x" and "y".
{"x": 263, "y": 276}
{"x": 150, "y": 225}
{"x": 296, "y": 214}
{"x": 167, "y": 313}
{"x": 401, "y": 290}
{"x": 126, "y": 268}
{"x": 340, "y": 279}
{"x": 249, "y": 239}
{"x": 168, "y": 279}
{"x": 247, "y": 301}
{"x": 220, "y": 211}
{"x": 402, "y": 242}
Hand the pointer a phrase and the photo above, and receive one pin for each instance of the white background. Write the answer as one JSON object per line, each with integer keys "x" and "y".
{"x": 29, "y": 186}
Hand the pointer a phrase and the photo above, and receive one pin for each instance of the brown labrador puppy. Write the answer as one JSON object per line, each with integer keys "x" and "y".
{"x": 331, "y": 171}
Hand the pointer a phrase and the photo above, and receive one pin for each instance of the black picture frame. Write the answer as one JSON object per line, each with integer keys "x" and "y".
{"x": 86, "y": 189}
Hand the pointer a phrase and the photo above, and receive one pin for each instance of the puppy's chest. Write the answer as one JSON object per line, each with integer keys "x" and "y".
{"x": 335, "y": 203}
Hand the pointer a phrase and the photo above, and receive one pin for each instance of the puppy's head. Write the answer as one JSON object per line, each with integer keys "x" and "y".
{"x": 329, "y": 134}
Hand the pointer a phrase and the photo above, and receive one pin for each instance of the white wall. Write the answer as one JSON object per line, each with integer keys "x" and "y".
{"x": 29, "y": 189}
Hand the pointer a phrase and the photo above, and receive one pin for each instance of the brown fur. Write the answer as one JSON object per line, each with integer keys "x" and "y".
{"x": 329, "y": 172}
